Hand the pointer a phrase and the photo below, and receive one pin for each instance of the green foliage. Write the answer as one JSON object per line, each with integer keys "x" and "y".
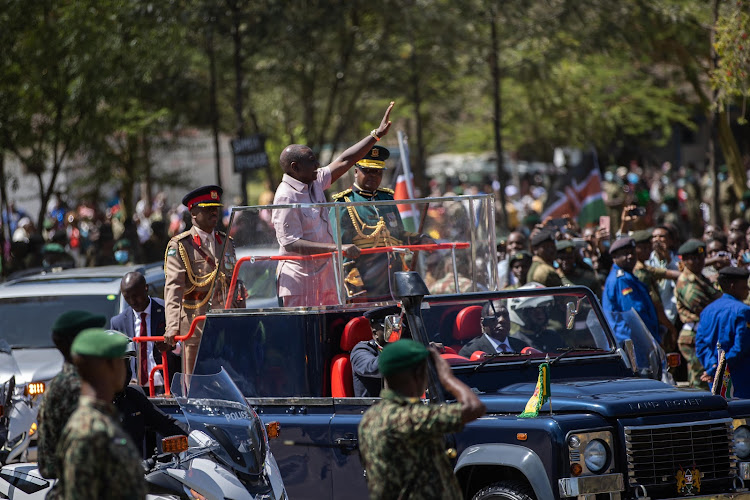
{"x": 731, "y": 79}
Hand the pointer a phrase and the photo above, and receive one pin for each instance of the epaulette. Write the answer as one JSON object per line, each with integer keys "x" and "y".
{"x": 620, "y": 273}
{"x": 343, "y": 193}
{"x": 180, "y": 236}
{"x": 386, "y": 190}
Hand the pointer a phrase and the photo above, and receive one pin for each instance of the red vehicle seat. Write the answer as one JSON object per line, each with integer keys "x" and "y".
{"x": 356, "y": 330}
{"x": 467, "y": 325}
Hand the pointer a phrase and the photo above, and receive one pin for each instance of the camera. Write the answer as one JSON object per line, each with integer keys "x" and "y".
{"x": 638, "y": 211}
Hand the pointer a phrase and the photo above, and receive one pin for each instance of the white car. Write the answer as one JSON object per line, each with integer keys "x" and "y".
{"x": 30, "y": 305}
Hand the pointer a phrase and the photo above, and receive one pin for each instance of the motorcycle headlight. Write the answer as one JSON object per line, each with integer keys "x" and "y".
{"x": 742, "y": 442}
{"x": 596, "y": 456}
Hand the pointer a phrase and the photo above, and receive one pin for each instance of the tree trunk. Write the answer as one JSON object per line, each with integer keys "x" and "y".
{"x": 497, "y": 119}
{"x": 213, "y": 106}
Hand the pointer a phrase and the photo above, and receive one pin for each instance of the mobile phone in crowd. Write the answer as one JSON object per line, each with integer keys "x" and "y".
{"x": 604, "y": 222}
{"x": 638, "y": 211}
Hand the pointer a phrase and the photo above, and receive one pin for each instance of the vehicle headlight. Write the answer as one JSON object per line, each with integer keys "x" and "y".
{"x": 596, "y": 456}
{"x": 742, "y": 442}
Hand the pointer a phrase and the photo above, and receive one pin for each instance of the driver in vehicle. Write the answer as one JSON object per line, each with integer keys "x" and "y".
{"x": 495, "y": 329}
{"x": 530, "y": 317}
{"x": 367, "y": 380}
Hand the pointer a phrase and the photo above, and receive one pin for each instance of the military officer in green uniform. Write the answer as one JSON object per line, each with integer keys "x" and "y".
{"x": 61, "y": 397}
{"x": 573, "y": 270}
{"x": 401, "y": 439}
{"x": 693, "y": 293}
{"x": 542, "y": 264}
{"x": 98, "y": 458}
{"x": 371, "y": 226}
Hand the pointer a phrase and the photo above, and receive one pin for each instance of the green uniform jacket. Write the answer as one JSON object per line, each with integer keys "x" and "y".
{"x": 372, "y": 268}
{"x": 693, "y": 293}
{"x": 403, "y": 451}
{"x": 98, "y": 458}
{"x": 543, "y": 273}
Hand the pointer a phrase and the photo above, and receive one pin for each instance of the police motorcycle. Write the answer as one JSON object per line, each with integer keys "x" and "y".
{"x": 18, "y": 409}
{"x": 226, "y": 454}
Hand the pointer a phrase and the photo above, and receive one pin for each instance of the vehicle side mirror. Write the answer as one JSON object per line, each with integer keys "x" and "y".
{"x": 392, "y": 327}
{"x": 627, "y": 351}
{"x": 570, "y": 315}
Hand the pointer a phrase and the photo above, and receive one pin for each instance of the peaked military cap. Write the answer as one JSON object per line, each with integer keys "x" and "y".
{"x": 541, "y": 237}
{"x": 691, "y": 247}
{"x": 521, "y": 255}
{"x": 100, "y": 343}
{"x": 622, "y": 243}
{"x": 69, "y": 323}
{"x": 734, "y": 272}
{"x": 565, "y": 246}
{"x": 375, "y": 158}
{"x": 401, "y": 355}
{"x": 642, "y": 236}
{"x": 206, "y": 196}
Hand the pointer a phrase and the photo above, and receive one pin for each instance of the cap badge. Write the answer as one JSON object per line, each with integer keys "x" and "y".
{"x": 214, "y": 195}
{"x": 375, "y": 153}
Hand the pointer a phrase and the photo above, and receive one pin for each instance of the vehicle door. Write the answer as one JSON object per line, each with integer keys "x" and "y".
{"x": 349, "y": 480}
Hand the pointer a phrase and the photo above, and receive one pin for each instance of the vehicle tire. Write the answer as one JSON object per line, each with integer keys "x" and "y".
{"x": 509, "y": 490}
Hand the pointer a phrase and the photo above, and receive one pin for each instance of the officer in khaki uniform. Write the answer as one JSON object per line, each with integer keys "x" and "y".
{"x": 545, "y": 251}
{"x": 693, "y": 293}
{"x": 573, "y": 270}
{"x": 371, "y": 226}
{"x": 194, "y": 266}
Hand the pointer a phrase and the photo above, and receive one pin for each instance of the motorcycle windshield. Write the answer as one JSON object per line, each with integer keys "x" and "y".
{"x": 649, "y": 355}
{"x": 8, "y": 365}
{"x": 214, "y": 405}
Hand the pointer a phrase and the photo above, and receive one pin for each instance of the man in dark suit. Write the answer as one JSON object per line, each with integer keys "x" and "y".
{"x": 144, "y": 317}
{"x": 495, "y": 329}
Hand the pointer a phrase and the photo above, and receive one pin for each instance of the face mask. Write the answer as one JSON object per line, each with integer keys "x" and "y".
{"x": 609, "y": 176}
{"x": 121, "y": 256}
{"x": 633, "y": 178}
{"x": 588, "y": 261}
{"x": 664, "y": 208}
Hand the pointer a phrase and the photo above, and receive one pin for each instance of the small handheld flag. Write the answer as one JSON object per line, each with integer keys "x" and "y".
{"x": 541, "y": 393}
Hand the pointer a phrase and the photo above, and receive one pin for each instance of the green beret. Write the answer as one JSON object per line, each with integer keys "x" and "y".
{"x": 565, "y": 246}
{"x": 68, "y": 324}
{"x": 542, "y": 236}
{"x": 122, "y": 244}
{"x": 692, "y": 247}
{"x": 400, "y": 355}
{"x": 643, "y": 235}
{"x": 522, "y": 255}
{"x": 100, "y": 343}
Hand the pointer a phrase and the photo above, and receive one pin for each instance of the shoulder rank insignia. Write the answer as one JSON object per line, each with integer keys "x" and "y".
{"x": 386, "y": 190}
{"x": 343, "y": 193}
{"x": 180, "y": 236}
{"x": 620, "y": 273}
{"x": 627, "y": 291}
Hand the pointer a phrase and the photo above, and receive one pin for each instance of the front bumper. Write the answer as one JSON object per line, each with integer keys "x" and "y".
{"x": 591, "y": 485}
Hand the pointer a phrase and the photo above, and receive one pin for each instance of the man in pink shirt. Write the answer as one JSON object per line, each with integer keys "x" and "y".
{"x": 307, "y": 231}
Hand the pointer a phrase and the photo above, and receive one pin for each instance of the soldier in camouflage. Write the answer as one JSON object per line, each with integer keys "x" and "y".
{"x": 61, "y": 397}
{"x": 544, "y": 250}
{"x": 95, "y": 452}
{"x": 401, "y": 439}
{"x": 693, "y": 293}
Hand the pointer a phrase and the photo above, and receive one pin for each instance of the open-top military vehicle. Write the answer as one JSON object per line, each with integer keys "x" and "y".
{"x": 611, "y": 428}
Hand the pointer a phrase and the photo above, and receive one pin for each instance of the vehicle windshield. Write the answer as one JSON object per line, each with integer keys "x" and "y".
{"x": 213, "y": 404}
{"x": 449, "y": 241}
{"x": 532, "y": 323}
{"x": 26, "y": 322}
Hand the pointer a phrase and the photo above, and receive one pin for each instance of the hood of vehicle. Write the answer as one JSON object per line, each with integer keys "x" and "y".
{"x": 34, "y": 365}
{"x": 609, "y": 398}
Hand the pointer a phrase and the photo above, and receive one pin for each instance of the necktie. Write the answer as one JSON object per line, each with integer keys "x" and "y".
{"x": 504, "y": 348}
{"x": 143, "y": 353}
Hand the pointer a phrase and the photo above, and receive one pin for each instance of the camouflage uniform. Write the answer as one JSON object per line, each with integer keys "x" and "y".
{"x": 693, "y": 294}
{"x": 60, "y": 401}
{"x": 402, "y": 448}
{"x": 582, "y": 274}
{"x": 447, "y": 284}
{"x": 99, "y": 459}
{"x": 543, "y": 273}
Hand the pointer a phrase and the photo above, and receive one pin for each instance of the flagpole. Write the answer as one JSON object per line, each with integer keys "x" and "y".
{"x": 404, "y": 151}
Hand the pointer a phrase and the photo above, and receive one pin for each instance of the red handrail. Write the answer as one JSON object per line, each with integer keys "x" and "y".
{"x": 365, "y": 251}
{"x": 163, "y": 366}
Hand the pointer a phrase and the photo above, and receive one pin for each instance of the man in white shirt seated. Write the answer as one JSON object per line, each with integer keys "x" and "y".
{"x": 495, "y": 329}
{"x": 144, "y": 318}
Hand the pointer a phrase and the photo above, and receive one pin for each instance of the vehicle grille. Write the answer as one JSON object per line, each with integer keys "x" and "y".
{"x": 656, "y": 453}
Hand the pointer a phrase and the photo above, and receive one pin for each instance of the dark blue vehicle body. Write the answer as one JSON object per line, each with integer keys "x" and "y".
{"x": 281, "y": 361}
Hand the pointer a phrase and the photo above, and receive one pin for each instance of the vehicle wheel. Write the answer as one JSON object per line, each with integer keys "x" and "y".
{"x": 510, "y": 490}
